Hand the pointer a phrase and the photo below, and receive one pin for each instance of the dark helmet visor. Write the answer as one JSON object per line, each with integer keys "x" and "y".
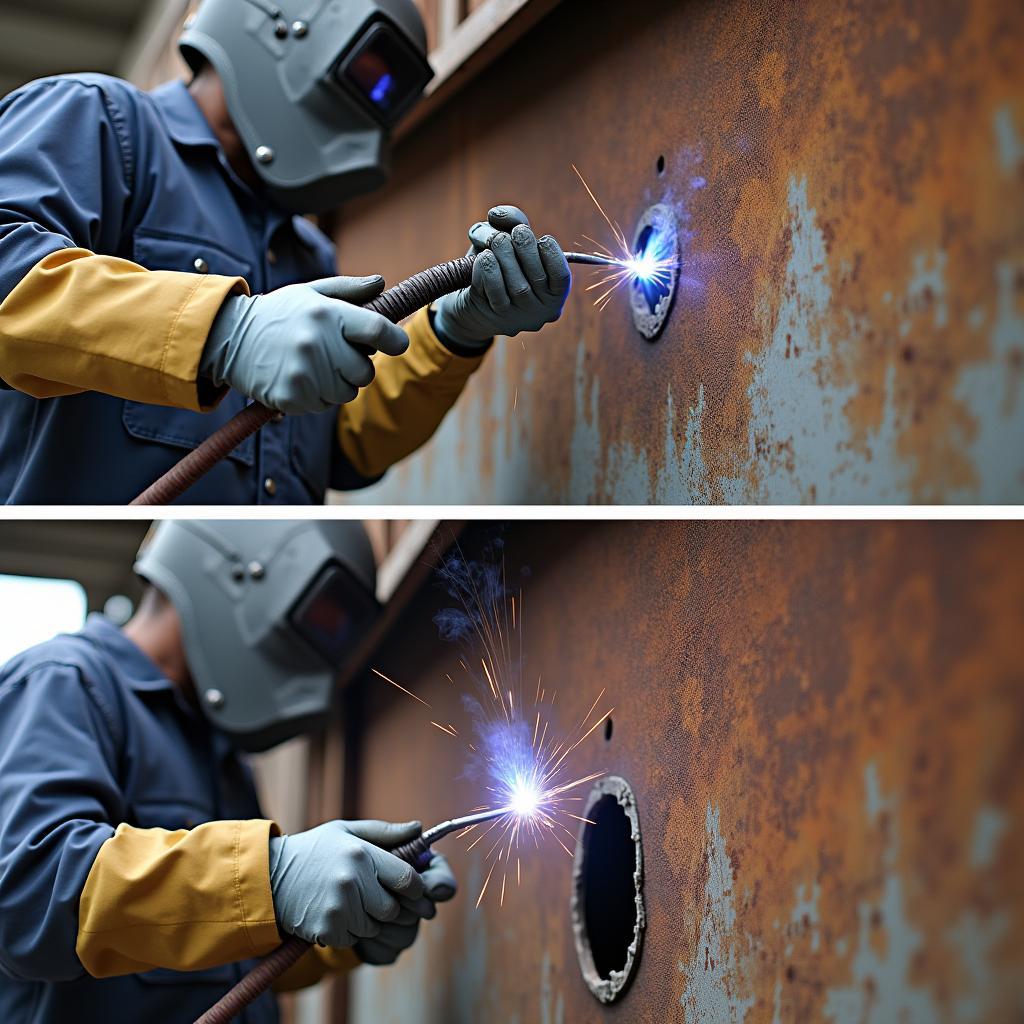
{"x": 384, "y": 71}
{"x": 333, "y": 612}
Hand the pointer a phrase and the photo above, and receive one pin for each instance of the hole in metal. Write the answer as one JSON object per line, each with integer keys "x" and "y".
{"x": 608, "y": 915}
{"x": 661, "y": 165}
{"x": 657, "y": 289}
{"x": 607, "y": 729}
{"x": 656, "y": 244}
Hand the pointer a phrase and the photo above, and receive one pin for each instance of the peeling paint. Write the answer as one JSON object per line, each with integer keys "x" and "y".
{"x": 626, "y": 477}
{"x": 989, "y": 827}
{"x": 713, "y": 978}
{"x": 1008, "y": 142}
{"x": 801, "y": 445}
{"x": 683, "y": 478}
{"x": 552, "y": 1005}
{"x": 882, "y": 988}
{"x": 993, "y": 393}
{"x": 805, "y": 913}
{"x": 973, "y": 940}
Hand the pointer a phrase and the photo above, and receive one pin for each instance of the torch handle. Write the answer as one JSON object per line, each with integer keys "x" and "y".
{"x": 396, "y": 304}
{"x": 274, "y": 964}
{"x": 417, "y": 853}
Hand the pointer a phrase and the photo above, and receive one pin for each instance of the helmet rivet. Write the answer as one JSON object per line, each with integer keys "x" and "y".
{"x": 300, "y": 29}
{"x": 215, "y": 699}
{"x": 265, "y": 155}
{"x": 256, "y": 570}
{"x": 281, "y": 30}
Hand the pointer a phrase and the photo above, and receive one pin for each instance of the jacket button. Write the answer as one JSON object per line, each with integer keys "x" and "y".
{"x": 202, "y": 267}
{"x": 270, "y": 486}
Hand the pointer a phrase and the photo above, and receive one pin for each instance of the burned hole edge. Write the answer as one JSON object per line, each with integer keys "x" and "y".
{"x": 651, "y": 304}
{"x": 608, "y": 960}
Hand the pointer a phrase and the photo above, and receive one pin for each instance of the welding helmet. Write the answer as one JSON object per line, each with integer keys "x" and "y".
{"x": 314, "y": 88}
{"x": 270, "y": 611}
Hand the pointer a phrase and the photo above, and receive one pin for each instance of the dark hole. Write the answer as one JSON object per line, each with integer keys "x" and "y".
{"x": 609, "y": 898}
{"x": 661, "y": 165}
{"x": 607, "y": 728}
{"x": 653, "y": 291}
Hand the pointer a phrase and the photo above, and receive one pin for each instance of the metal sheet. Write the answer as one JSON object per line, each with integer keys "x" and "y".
{"x": 823, "y": 726}
{"x": 849, "y": 176}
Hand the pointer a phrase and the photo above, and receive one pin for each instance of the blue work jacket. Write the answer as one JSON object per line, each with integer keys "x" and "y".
{"x": 92, "y": 735}
{"x": 91, "y": 162}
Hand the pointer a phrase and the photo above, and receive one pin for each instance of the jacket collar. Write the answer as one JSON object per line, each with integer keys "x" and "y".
{"x": 186, "y": 124}
{"x": 135, "y": 668}
{"x": 140, "y": 673}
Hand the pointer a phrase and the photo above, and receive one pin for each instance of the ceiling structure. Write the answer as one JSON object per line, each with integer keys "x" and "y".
{"x": 50, "y": 37}
{"x": 96, "y": 553}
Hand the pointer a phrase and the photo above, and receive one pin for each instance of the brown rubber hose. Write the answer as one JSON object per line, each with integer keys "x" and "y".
{"x": 396, "y": 304}
{"x": 256, "y": 982}
{"x": 273, "y": 965}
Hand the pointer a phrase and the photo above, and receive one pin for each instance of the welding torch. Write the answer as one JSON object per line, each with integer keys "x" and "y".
{"x": 416, "y": 852}
{"x": 397, "y": 304}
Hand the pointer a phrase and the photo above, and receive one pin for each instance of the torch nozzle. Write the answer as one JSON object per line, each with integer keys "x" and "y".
{"x": 417, "y": 852}
{"x": 592, "y": 259}
{"x": 446, "y": 828}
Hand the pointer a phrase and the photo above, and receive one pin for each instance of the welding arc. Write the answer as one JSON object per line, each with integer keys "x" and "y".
{"x": 274, "y": 964}
{"x": 397, "y": 304}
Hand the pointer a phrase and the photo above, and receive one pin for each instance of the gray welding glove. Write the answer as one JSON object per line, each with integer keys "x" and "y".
{"x": 336, "y": 885}
{"x": 400, "y": 934}
{"x": 301, "y": 349}
{"x": 519, "y": 285}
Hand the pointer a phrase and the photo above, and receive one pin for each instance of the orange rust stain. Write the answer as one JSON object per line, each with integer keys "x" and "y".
{"x": 886, "y": 110}
{"x": 770, "y": 81}
{"x": 844, "y": 696}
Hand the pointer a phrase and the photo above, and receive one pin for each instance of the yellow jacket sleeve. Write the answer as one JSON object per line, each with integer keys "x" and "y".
{"x": 314, "y": 966}
{"x": 81, "y": 322}
{"x": 406, "y": 402}
{"x": 182, "y": 900}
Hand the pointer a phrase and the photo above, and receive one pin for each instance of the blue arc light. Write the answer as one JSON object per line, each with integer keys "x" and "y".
{"x": 383, "y": 88}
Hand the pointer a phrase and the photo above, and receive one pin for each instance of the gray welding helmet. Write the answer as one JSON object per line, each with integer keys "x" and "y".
{"x": 270, "y": 611}
{"x": 314, "y": 88}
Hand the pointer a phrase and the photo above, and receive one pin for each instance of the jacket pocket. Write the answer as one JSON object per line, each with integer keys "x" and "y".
{"x": 164, "y": 250}
{"x": 181, "y": 428}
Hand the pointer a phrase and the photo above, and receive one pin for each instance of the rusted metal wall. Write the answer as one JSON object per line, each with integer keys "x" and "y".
{"x": 849, "y": 176}
{"x": 823, "y": 724}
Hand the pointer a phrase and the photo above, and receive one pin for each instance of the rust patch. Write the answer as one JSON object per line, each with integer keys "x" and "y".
{"x": 823, "y": 726}
{"x": 848, "y": 175}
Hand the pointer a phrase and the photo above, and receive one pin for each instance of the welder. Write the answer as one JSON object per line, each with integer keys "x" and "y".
{"x": 157, "y": 272}
{"x": 138, "y": 877}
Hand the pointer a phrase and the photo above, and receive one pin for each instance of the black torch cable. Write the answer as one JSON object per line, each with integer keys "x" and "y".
{"x": 274, "y": 964}
{"x": 396, "y": 304}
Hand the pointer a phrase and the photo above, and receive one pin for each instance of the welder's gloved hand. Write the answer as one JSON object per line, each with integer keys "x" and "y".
{"x": 336, "y": 884}
{"x": 519, "y": 284}
{"x": 398, "y": 935}
{"x": 301, "y": 349}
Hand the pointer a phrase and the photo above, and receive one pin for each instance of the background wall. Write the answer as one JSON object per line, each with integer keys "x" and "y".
{"x": 849, "y": 181}
{"x": 849, "y": 178}
{"x": 823, "y": 726}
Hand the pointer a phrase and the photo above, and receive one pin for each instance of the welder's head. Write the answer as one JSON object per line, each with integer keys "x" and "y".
{"x": 270, "y": 611}
{"x": 314, "y": 88}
